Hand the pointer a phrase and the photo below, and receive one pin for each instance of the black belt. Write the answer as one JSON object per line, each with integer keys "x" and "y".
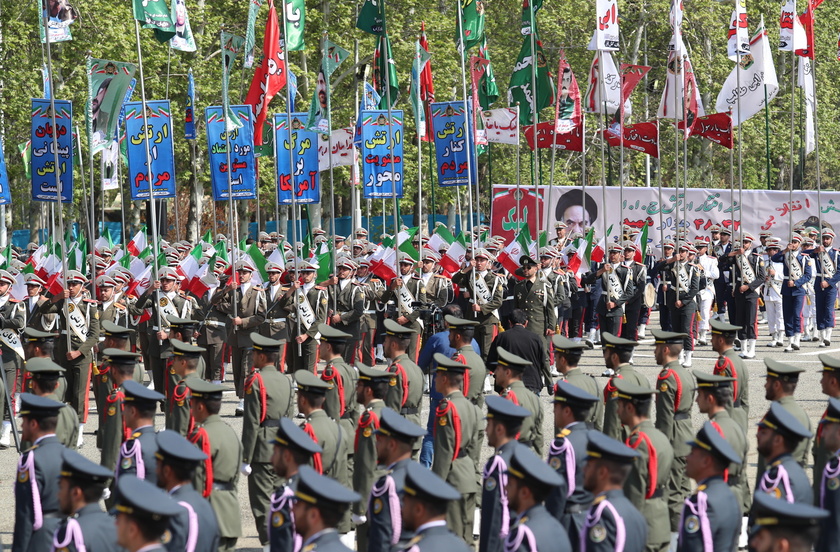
{"x": 733, "y": 480}
{"x": 576, "y": 508}
{"x": 461, "y": 454}
{"x": 270, "y": 423}
{"x": 658, "y": 493}
{"x": 223, "y": 486}
{"x": 347, "y": 416}
{"x": 736, "y": 403}
{"x": 405, "y": 411}
{"x": 53, "y": 515}
{"x": 682, "y": 416}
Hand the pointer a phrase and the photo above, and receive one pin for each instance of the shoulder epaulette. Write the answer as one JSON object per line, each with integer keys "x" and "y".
{"x": 91, "y": 301}
{"x": 321, "y": 288}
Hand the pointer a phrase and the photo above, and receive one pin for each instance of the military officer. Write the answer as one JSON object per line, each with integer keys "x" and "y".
{"x": 114, "y": 337}
{"x": 372, "y": 387}
{"x": 485, "y": 291}
{"x": 674, "y": 399}
{"x": 12, "y": 321}
{"x": 567, "y": 355}
{"x": 35, "y": 298}
{"x": 183, "y": 365}
{"x": 143, "y": 514}
{"x": 245, "y": 316}
{"x": 780, "y": 387}
{"x": 461, "y": 333}
{"x": 406, "y": 389}
{"x": 729, "y": 364}
{"x": 797, "y": 272}
{"x": 710, "y": 517}
{"x": 137, "y": 453}
{"x": 347, "y": 304}
{"x": 292, "y": 448}
{"x": 183, "y": 330}
{"x": 536, "y": 297}
{"x": 781, "y": 525}
{"x": 438, "y": 287}
{"x": 374, "y": 292}
{"x": 569, "y": 501}
{"x": 830, "y": 383}
{"x": 617, "y": 284}
{"x": 395, "y": 439}
{"x": 275, "y": 315}
{"x": 617, "y": 354}
{"x": 456, "y": 419}
{"x": 828, "y": 495}
{"x": 268, "y": 398}
{"x": 748, "y": 274}
{"x": 43, "y": 383}
{"x": 407, "y": 288}
{"x": 504, "y": 421}
{"x": 647, "y": 485}
{"x": 112, "y": 428}
{"x": 779, "y": 432}
{"x": 681, "y": 283}
{"x": 217, "y": 479}
{"x": 633, "y": 307}
{"x": 80, "y": 487}
{"x": 310, "y": 304}
{"x": 112, "y": 309}
{"x": 38, "y": 470}
{"x": 826, "y": 259}
{"x": 612, "y": 518}
{"x": 195, "y": 527}
{"x": 212, "y": 331}
{"x": 321, "y": 503}
{"x": 425, "y": 503}
{"x": 508, "y": 375}
{"x": 340, "y": 403}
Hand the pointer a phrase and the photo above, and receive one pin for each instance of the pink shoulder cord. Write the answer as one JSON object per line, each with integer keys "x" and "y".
{"x": 699, "y": 510}
{"x": 72, "y": 533}
{"x": 193, "y": 531}
{"x": 522, "y": 532}
{"x": 136, "y": 452}
{"x": 390, "y": 488}
{"x": 498, "y": 465}
{"x": 768, "y": 484}
{"x": 278, "y": 502}
{"x": 828, "y": 473}
{"x": 568, "y": 451}
{"x": 594, "y": 516}
{"x": 29, "y": 466}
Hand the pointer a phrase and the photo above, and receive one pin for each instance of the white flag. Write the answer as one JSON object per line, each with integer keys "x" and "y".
{"x": 805, "y": 79}
{"x": 671, "y": 104}
{"x": 756, "y": 72}
{"x": 609, "y": 91}
{"x": 739, "y": 33}
{"x": 605, "y": 37}
{"x": 791, "y": 32}
{"x": 676, "y": 19}
{"x": 501, "y": 125}
{"x": 343, "y": 152}
{"x": 109, "y": 160}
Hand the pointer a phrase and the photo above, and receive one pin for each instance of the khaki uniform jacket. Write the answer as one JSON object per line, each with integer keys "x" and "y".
{"x": 405, "y": 390}
{"x": 349, "y": 304}
{"x": 674, "y": 400}
{"x": 477, "y": 374}
{"x": 647, "y": 485}
{"x": 538, "y": 304}
{"x": 250, "y": 308}
{"x": 531, "y": 432}
{"x": 213, "y": 331}
{"x": 335, "y": 371}
{"x": 268, "y": 397}
{"x": 317, "y": 297}
{"x": 576, "y": 377}
{"x": 495, "y": 284}
{"x": 454, "y": 464}
{"x": 612, "y": 425}
{"x": 365, "y": 471}
{"x": 90, "y": 311}
{"x": 275, "y": 315}
{"x": 150, "y": 300}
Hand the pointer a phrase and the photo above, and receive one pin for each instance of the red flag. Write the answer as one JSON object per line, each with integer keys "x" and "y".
{"x": 477, "y": 67}
{"x": 643, "y": 137}
{"x": 716, "y": 128}
{"x": 690, "y": 98}
{"x": 631, "y": 76}
{"x": 270, "y": 76}
{"x": 568, "y": 141}
{"x": 807, "y": 21}
{"x": 567, "y": 113}
{"x": 427, "y": 87}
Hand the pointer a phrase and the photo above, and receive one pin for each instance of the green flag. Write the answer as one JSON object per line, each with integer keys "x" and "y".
{"x": 295, "y": 23}
{"x": 155, "y": 14}
{"x": 232, "y": 46}
{"x": 253, "y": 11}
{"x": 108, "y": 82}
{"x": 472, "y": 21}
{"x": 488, "y": 92}
{"x": 383, "y": 58}
{"x": 207, "y": 237}
{"x": 318, "y": 119}
{"x": 521, "y": 85}
{"x": 25, "y": 150}
{"x": 324, "y": 264}
{"x": 526, "y": 16}
{"x": 421, "y": 58}
{"x": 371, "y": 18}
{"x": 183, "y": 41}
{"x": 221, "y": 251}
{"x": 259, "y": 260}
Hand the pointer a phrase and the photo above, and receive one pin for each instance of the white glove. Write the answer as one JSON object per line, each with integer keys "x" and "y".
{"x": 245, "y": 469}
{"x": 358, "y": 520}
{"x": 106, "y": 494}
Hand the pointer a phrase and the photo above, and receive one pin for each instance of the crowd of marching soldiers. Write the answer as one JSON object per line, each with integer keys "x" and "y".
{"x": 614, "y": 477}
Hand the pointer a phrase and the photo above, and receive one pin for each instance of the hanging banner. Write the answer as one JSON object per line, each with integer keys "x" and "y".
{"x": 567, "y": 141}
{"x": 161, "y": 149}
{"x": 43, "y": 154}
{"x": 643, "y": 137}
{"x": 381, "y": 177}
{"x": 108, "y": 166}
{"x": 5, "y": 191}
{"x": 109, "y": 83}
{"x": 60, "y": 15}
{"x": 501, "y": 126}
{"x": 303, "y": 145}
{"x": 189, "y": 109}
{"x": 451, "y": 146}
{"x": 763, "y": 210}
{"x": 341, "y": 143}
{"x": 243, "y": 177}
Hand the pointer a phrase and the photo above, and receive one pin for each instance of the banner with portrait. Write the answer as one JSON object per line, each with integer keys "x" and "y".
{"x": 108, "y": 84}
{"x": 297, "y": 160}
{"x": 241, "y": 180}
{"x": 161, "y": 151}
{"x": 47, "y": 179}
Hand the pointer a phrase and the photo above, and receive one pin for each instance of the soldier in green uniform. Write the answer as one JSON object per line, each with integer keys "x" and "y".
{"x": 617, "y": 354}
{"x": 41, "y": 344}
{"x": 325, "y": 431}
{"x": 456, "y": 420}
{"x": 374, "y": 292}
{"x": 183, "y": 365}
{"x": 508, "y": 376}
{"x": 340, "y": 403}
{"x": 714, "y": 398}
{"x": 371, "y": 389}
{"x": 44, "y": 381}
{"x": 729, "y": 364}
{"x": 217, "y": 479}
{"x": 674, "y": 399}
{"x": 321, "y": 502}
{"x": 274, "y": 325}
{"x": 779, "y": 387}
{"x": 486, "y": 292}
{"x": 268, "y": 398}
{"x": 114, "y": 337}
{"x": 406, "y": 386}
{"x": 112, "y": 429}
{"x": 405, "y": 289}
{"x": 310, "y": 304}
{"x": 567, "y": 355}
{"x": 535, "y": 296}
{"x": 347, "y": 304}
{"x": 830, "y": 382}
{"x": 647, "y": 485}
{"x": 183, "y": 330}
{"x": 461, "y": 333}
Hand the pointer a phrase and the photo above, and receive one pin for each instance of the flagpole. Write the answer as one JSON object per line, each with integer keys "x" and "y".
{"x": 740, "y": 149}
{"x": 534, "y": 114}
{"x": 817, "y": 144}
{"x": 470, "y": 141}
{"x": 59, "y": 208}
{"x": 792, "y": 140}
{"x": 296, "y": 253}
{"x": 91, "y": 239}
{"x": 602, "y": 117}
{"x": 678, "y": 70}
{"x": 686, "y": 134}
{"x": 387, "y": 70}
{"x": 419, "y": 150}
{"x": 152, "y": 206}
{"x": 122, "y": 197}
{"x": 518, "y": 174}
{"x": 354, "y": 201}
{"x": 234, "y": 230}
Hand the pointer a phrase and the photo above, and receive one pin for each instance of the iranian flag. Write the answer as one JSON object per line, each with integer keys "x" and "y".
{"x": 383, "y": 263}
{"x": 138, "y": 242}
{"x": 38, "y": 255}
{"x": 641, "y": 245}
{"x": 597, "y": 253}
{"x": 189, "y": 267}
{"x": 141, "y": 282}
{"x": 204, "y": 281}
{"x": 455, "y": 256}
{"x": 509, "y": 257}
{"x": 579, "y": 262}
{"x": 440, "y": 239}
{"x": 49, "y": 265}
{"x": 259, "y": 261}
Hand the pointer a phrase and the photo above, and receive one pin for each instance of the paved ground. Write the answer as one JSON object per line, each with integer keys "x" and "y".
{"x": 808, "y": 395}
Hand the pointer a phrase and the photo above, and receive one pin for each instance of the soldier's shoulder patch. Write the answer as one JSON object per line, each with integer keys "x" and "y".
{"x": 166, "y": 537}
{"x": 692, "y": 524}
{"x": 833, "y": 484}
{"x": 277, "y": 519}
{"x": 554, "y": 462}
{"x": 598, "y": 533}
{"x": 125, "y": 463}
{"x": 393, "y": 382}
{"x": 442, "y": 421}
{"x": 112, "y": 410}
{"x": 23, "y": 475}
{"x": 663, "y": 387}
{"x": 377, "y": 506}
{"x": 422, "y": 289}
{"x": 367, "y": 432}
{"x": 490, "y": 484}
